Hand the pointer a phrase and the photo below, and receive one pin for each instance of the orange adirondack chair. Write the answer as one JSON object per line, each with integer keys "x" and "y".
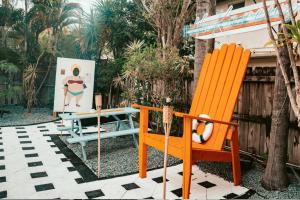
{"x": 218, "y": 87}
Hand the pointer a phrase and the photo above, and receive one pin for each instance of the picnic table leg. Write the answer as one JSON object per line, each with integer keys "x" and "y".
{"x": 83, "y": 144}
{"x": 73, "y": 132}
{"x": 132, "y": 127}
{"x": 72, "y": 125}
{"x": 118, "y": 122}
{"x": 83, "y": 150}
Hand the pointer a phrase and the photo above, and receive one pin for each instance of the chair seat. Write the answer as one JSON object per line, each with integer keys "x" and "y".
{"x": 176, "y": 144}
{"x": 174, "y": 141}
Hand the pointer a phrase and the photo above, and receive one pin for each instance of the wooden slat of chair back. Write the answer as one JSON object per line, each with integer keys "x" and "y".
{"x": 218, "y": 87}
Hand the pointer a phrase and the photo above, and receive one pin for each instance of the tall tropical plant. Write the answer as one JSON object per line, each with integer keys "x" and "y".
{"x": 56, "y": 15}
{"x": 121, "y": 21}
{"x": 104, "y": 35}
{"x": 148, "y": 78}
{"x": 88, "y": 37}
{"x": 8, "y": 17}
{"x": 49, "y": 20}
{"x": 168, "y": 18}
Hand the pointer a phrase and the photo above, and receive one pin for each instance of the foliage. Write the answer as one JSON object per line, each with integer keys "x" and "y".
{"x": 133, "y": 47}
{"x": 105, "y": 73}
{"x": 119, "y": 22}
{"x": 29, "y": 80}
{"x": 88, "y": 37}
{"x": 33, "y": 39}
{"x": 7, "y": 73}
{"x": 68, "y": 47}
{"x": 152, "y": 74}
{"x": 8, "y": 68}
{"x": 295, "y": 31}
{"x": 46, "y": 24}
{"x": 8, "y": 17}
{"x": 104, "y": 36}
{"x": 293, "y": 36}
{"x": 168, "y": 18}
{"x": 50, "y": 20}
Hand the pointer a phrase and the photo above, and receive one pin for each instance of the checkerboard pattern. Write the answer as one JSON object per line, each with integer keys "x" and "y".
{"x": 35, "y": 163}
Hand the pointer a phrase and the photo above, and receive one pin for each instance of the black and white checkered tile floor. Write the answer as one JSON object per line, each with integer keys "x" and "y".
{"x": 35, "y": 164}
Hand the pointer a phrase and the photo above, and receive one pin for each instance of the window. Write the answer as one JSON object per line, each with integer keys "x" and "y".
{"x": 238, "y": 5}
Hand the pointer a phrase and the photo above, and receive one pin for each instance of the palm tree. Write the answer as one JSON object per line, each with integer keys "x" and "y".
{"x": 120, "y": 22}
{"x": 8, "y": 17}
{"x": 56, "y": 15}
{"x": 48, "y": 20}
{"x": 88, "y": 37}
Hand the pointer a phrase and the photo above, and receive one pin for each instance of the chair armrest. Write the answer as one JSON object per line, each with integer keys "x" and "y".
{"x": 177, "y": 114}
{"x": 210, "y": 120}
{"x": 147, "y": 107}
{"x": 185, "y": 115}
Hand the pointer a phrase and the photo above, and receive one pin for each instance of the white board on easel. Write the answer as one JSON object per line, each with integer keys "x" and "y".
{"x": 78, "y": 77}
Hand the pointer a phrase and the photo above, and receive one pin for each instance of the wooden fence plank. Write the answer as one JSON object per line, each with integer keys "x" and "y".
{"x": 244, "y": 126}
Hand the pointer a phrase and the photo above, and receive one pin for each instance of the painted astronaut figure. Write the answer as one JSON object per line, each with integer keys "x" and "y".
{"x": 75, "y": 85}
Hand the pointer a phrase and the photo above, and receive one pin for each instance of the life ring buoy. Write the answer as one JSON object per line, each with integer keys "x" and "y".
{"x": 200, "y": 138}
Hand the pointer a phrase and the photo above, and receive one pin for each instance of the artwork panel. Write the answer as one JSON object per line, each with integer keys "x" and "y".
{"x": 74, "y": 85}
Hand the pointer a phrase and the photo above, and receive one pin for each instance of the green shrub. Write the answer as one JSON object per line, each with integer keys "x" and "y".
{"x": 152, "y": 74}
{"x": 7, "y": 73}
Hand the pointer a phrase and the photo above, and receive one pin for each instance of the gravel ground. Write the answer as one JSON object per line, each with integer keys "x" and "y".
{"x": 118, "y": 155}
{"x": 121, "y": 152}
{"x": 19, "y": 116}
{"x": 251, "y": 176}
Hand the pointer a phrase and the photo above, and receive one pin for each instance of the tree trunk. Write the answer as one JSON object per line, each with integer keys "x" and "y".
{"x": 45, "y": 77}
{"x": 179, "y": 23}
{"x": 275, "y": 176}
{"x": 211, "y": 11}
{"x": 202, "y": 46}
{"x": 26, "y": 29}
{"x": 110, "y": 96}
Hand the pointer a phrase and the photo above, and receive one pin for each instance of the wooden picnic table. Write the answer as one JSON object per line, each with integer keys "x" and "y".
{"x": 76, "y": 130}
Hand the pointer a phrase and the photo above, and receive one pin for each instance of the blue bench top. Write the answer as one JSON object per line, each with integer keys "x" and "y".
{"x": 90, "y": 137}
{"x": 104, "y": 113}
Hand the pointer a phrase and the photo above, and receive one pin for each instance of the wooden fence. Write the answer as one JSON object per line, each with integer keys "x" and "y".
{"x": 45, "y": 97}
{"x": 254, "y": 111}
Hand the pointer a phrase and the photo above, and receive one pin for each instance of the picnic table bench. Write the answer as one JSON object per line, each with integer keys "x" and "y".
{"x": 122, "y": 128}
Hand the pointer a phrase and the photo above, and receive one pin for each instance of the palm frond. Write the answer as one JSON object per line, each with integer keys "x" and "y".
{"x": 69, "y": 21}
{"x": 8, "y": 68}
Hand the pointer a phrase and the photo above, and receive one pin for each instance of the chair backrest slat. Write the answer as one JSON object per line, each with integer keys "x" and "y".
{"x": 201, "y": 80}
{"x": 218, "y": 87}
{"x": 204, "y": 85}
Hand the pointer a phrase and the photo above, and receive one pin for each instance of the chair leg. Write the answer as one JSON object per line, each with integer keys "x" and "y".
{"x": 186, "y": 179}
{"x": 236, "y": 166}
{"x": 142, "y": 146}
{"x": 142, "y": 159}
{"x": 187, "y": 158}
